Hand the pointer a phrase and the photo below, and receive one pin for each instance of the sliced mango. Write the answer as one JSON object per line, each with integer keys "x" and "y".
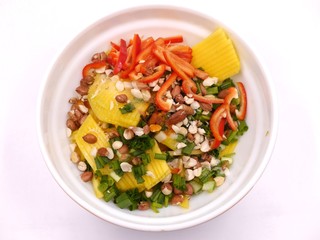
{"x": 217, "y": 55}
{"x": 101, "y": 97}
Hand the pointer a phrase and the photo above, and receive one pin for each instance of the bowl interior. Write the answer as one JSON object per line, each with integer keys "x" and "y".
{"x": 253, "y": 151}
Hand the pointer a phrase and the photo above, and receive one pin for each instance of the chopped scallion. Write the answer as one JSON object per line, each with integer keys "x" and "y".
{"x": 160, "y": 156}
{"x": 179, "y": 182}
{"x": 187, "y": 150}
{"x": 212, "y": 90}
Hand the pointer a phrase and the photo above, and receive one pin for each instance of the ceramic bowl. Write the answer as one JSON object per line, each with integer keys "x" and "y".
{"x": 253, "y": 151}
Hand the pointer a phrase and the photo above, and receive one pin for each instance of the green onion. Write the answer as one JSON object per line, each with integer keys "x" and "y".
{"x": 109, "y": 194}
{"x": 198, "y": 87}
{"x": 97, "y": 173}
{"x": 180, "y": 137}
{"x": 242, "y": 128}
{"x": 166, "y": 201}
{"x": 179, "y": 182}
{"x": 226, "y": 84}
{"x": 205, "y": 175}
{"x": 129, "y": 107}
{"x": 156, "y": 194}
{"x": 235, "y": 101}
{"x": 137, "y": 153}
{"x": 155, "y": 206}
{"x": 115, "y": 165}
{"x": 123, "y": 201}
{"x": 145, "y": 159}
{"x": 209, "y": 186}
{"x": 103, "y": 187}
{"x": 212, "y": 90}
{"x": 138, "y": 171}
{"x": 231, "y": 137}
{"x": 187, "y": 150}
{"x": 101, "y": 161}
{"x": 160, "y": 156}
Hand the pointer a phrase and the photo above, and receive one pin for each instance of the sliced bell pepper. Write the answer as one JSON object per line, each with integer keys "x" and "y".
{"x": 122, "y": 57}
{"x": 232, "y": 93}
{"x": 189, "y": 87}
{"x": 215, "y": 121}
{"x": 216, "y": 143}
{"x": 145, "y": 51}
{"x": 154, "y": 76}
{"x": 161, "y": 104}
{"x": 131, "y": 59}
{"x": 174, "y": 66}
{"x": 94, "y": 65}
{"x": 173, "y": 39}
{"x": 241, "y": 113}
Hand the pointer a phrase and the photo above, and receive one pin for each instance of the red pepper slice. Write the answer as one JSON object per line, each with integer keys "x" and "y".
{"x": 156, "y": 75}
{"x": 94, "y": 65}
{"x": 215, "y": 121}
{"x": 175, "y": 170}
{"x": 135, "y": 49}
{"x": 172, "y": 63}
{"x": 173, "y": 39}
{"x": 145, "y": 52}
{"x": 241, "y": 113}
{"x": 189, "y": 87}
{"x": 232, "y": 93}
{"x": 216, "y": 143}
{"x": 122, "y": 57}
{"x": 161, "y": 104}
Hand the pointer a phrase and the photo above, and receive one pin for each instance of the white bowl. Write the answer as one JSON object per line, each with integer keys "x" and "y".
{"x": 253, "y": 151}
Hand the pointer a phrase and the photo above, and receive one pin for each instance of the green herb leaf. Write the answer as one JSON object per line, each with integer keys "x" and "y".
{"x": 129, "y": 107}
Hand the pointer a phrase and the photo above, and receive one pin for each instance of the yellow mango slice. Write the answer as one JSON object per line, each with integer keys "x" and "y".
{"x": 158, "y": 169}
{"x": 217, "y": 55}
{"x": 90, "y": 126}
{"x": 101, "y": 97}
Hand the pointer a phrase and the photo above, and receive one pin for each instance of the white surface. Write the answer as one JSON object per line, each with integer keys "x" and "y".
{"x": 254, "y": 149}
{"x": 285, "y": 202}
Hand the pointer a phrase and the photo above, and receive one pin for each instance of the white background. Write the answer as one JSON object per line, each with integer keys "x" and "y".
{"x": 284, "y": 204}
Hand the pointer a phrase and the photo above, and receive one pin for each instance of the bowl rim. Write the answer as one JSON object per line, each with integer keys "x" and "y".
{"x": 244, "y": 191}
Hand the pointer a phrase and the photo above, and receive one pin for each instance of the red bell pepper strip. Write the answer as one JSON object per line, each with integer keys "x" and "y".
{"x": 115, "y": 46}
{"x": 122, "y": 57}
{"x": 145, "y": 52}
{"x": 189, "y": 87}
{"x": 94, "y": 65}
{"x": 215, "y": 120}
{"x": 216, "y": 143}
{"x": 161, "y": 104}
{"x": 155, "y": 76}
{"x": 173, "y": 39}
{"x": 135, "y": 49}
{"x": 173, "y": 64}
{"x": 241, "y": 113}
{"x": 232, "y": 93}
